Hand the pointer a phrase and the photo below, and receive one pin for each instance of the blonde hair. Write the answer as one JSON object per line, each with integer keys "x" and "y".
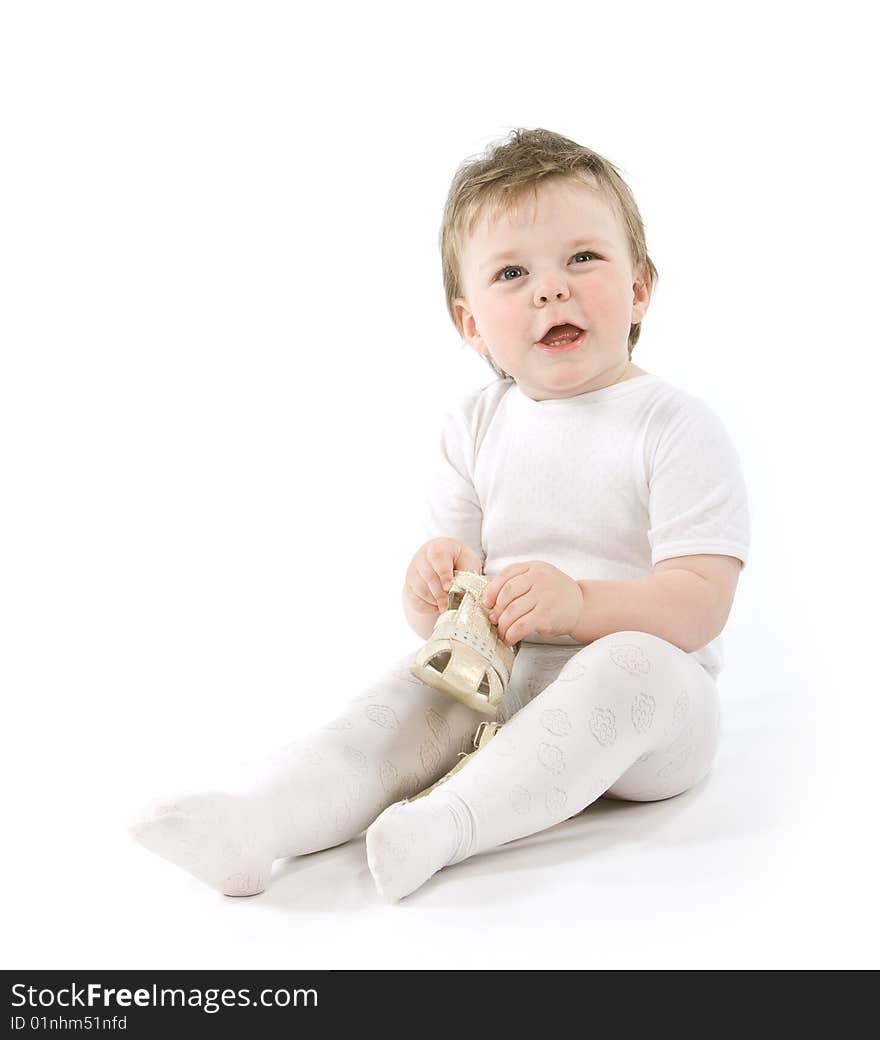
{"x": 503, "y": 175}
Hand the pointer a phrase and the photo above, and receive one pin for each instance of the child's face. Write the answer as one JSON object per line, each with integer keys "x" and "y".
{"x": 567, "y": 262}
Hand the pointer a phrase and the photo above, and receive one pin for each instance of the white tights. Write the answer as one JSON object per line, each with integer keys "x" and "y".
{"x": 629, "y": 716}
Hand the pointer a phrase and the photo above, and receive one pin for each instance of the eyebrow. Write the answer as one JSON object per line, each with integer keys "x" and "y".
{"x": 583, "y": 240}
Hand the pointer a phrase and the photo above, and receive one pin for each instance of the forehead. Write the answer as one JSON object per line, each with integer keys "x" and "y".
{"x": 568, "y": 208}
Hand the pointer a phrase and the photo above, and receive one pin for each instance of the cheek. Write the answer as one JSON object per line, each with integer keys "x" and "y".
{"x": 500, "y": 316}
{"x": 599, "y": 298}
{"x": 609, "y": 305}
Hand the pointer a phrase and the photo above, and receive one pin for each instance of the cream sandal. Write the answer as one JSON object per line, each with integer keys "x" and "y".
{"x": 464, "y": 656}
{"x": 485, "y": 732}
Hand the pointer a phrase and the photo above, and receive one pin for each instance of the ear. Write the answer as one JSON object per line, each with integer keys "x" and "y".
{"x": 467, "y": 327}
{"x": 641, "y": 299}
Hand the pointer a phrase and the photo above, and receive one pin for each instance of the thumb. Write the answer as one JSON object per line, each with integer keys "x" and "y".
{"x": 468, "y": 560}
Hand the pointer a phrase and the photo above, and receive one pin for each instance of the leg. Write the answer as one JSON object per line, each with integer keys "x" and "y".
{"x": 630, "y": 715}
{"x": 393, "y": 740}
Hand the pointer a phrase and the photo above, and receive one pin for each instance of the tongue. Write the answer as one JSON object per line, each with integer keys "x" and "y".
{"x": 560, "y": 331}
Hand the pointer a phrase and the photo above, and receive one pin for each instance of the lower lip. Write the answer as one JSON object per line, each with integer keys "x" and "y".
{"x": 563, "y": 347}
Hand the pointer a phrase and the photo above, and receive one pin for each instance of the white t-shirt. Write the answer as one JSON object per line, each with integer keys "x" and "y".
{"x": 602, "y": 485}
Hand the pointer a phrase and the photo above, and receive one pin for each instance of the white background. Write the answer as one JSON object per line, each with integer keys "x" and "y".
{"x": 225, "y": 360}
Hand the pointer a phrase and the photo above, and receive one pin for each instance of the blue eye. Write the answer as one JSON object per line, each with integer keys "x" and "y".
{"x": 516, "y": 267}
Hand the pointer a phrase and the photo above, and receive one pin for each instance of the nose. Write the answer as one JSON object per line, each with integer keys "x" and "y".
{"x": 551, "y": 290}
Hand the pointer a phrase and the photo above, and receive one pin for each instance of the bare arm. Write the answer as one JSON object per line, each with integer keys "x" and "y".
{"x": 686, "y": 601}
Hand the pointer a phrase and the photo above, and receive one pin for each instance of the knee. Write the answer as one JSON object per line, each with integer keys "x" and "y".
{"x": 630, "y": 640}
{"x": 627, "y": 635}
{"x": 625, "y": 673}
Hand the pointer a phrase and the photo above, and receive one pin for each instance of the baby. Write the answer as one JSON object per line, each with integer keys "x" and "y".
{"x": 607, "y": 509}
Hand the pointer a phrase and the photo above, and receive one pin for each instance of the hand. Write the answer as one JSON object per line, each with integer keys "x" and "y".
{"x": 430, "y": 572}
{"x": 533, "y": 598}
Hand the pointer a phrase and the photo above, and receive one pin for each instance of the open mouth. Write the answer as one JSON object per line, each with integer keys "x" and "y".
{"x": 562, "y": 337}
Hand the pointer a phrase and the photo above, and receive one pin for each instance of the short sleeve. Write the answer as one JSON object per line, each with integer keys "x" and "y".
{"x": 697, "y": 499}
{"x": 452, "y": 508}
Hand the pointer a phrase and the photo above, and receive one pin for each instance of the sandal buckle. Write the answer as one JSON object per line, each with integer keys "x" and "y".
{"x": 481, "y": 730}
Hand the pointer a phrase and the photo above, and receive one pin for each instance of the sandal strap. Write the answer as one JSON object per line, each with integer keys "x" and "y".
{"x": 494, "y": 651}
{"x": 475, "y": 655}
{"x": 470, "y": 581}
{"x": 469, "y": 623}
{"x": 448, "y": 626}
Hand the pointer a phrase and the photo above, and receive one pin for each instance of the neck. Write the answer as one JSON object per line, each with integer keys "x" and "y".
{"x": 619, "y": 374}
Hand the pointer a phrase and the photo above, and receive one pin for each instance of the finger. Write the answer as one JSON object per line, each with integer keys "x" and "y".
{"x": 511, "y": 616}
{"x": 515, "y": 587}
{"x": 467, "y": 560}
{"x": 500, "y": 580}
{"x": 419, "y": 600}
{"x": 442, "y": 561}
{"x": 433, "y": 591}
{"x": 519, "y": 629}
{"x": 522, "y": 627}
{"x": 445, "y": 581}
